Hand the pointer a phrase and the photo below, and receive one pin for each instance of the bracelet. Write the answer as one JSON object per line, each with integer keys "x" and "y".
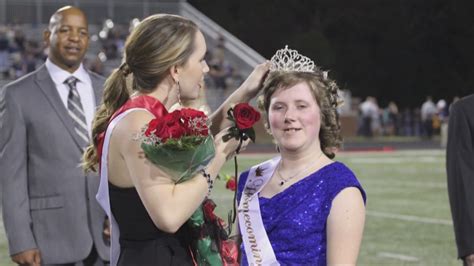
{"x": 210, "y": 182}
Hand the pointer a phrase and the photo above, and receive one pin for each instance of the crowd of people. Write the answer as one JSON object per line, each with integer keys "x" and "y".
{"x": 19, "y": 55}
{"x": 427, "y": 120}
{"x": 22, "y": 53}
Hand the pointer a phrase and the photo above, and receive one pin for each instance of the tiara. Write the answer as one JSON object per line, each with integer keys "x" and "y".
{"x": 290, "y": 60}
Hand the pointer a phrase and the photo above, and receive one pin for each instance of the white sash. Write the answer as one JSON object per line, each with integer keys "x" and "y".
{"x": 103, "y": 192}
{"x": 258, "y": 248}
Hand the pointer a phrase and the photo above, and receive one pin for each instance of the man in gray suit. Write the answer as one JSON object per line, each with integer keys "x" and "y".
{"x": 49, "y": 208}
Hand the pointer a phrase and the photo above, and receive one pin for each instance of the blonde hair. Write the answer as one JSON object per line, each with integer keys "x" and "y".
{"x": 156, "y": 44}
{"x": 324, "y": 92}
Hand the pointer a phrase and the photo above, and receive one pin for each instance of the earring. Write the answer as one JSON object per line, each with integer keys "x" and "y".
{"x": 179, "y": 94}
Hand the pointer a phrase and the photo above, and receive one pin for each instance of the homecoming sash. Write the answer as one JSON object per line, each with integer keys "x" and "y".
{"x": 257, "y": 246}
{"x": 103, "y": 192}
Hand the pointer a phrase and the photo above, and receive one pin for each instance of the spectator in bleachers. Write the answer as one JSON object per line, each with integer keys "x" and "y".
{"x": 19, "y": 40}
{"x": 17, "y": 67}
{"x": 391, "y": 119}
{"x": 18, "y": 55}
{"x": 428, "y": 111}
{"x": 369, "y": 111}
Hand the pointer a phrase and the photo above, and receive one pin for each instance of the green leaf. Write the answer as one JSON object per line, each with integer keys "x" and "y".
{"x": 251, "y": 133}
{"x": 230, "y": 114}
{"x": 234, "y": 131}
{"x": 226, "y": 137}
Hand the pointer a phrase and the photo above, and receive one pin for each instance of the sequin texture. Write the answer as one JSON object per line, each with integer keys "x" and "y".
{"x": 295, "y": 219}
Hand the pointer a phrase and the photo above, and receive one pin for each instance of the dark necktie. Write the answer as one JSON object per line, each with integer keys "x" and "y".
{"x": 76, "y": 112}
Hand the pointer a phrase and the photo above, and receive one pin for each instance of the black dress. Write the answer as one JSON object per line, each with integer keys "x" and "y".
{"x": 141, "y": 242}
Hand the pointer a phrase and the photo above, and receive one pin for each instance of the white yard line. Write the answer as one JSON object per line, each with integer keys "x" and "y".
{"x": 409, "y": 218}
{"x": 397, "y": 256}
{"x": 397, "y": 160}
{"x": 409, "y": 184}
{"x": 395, "y": 153}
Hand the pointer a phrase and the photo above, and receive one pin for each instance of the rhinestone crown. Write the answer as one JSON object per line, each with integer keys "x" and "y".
{"x": 290, "y": 60}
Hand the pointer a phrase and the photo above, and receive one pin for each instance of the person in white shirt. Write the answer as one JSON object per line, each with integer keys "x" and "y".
{"x": 369, "y": 112}
{"x": 428, "y": 110}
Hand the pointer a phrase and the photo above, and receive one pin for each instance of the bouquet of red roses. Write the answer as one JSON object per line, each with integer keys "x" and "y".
{"x": 179, "y": 142}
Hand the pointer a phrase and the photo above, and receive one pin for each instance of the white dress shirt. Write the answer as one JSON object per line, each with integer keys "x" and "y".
{"x": 84, "y": 88}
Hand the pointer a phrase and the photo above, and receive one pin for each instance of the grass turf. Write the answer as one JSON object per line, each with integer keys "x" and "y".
{"x": 408, "y": 219}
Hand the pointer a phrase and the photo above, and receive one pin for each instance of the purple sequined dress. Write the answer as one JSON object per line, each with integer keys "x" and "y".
{"x": 295, "y": 219}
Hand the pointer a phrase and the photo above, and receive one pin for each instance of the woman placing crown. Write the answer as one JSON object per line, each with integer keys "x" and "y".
{"x": 300, "y": 207}
{"x": 164, "y": 56}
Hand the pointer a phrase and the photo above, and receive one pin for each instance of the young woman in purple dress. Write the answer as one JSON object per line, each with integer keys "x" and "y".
{"x": 301, "y": 207}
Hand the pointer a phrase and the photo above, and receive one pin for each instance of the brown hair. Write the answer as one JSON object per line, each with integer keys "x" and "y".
{"x": 157, "y": 43}
{"x": 324, "y": 91}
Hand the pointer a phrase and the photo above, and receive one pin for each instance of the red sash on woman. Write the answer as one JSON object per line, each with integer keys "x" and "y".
{"x": 152, "y": 104}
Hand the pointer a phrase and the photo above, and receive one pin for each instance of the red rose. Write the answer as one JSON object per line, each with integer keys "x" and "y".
{"x": 187, "y": 113}
{"x": 176, "y": 131}
{"x": 173, "y": 118}
{"x": 245, "y": 115}
{"x": 170, "y": 126}
{"x": 162, "y": 130}
{"x": 152, "y": 125}
{"x": 231, "y": 185}
{"x": 194, "y": 122}
{"x": 175, "y": 125}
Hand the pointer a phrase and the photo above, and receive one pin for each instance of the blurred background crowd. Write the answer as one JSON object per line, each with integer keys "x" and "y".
{"x": 409, "y": 102}
{"x": 22, "y": 51}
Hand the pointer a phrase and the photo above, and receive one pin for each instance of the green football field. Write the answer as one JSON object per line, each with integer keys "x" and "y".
{"x": 408, "y": 219}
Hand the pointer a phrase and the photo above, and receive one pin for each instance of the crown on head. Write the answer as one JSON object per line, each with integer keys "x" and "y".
{"x": 290, "y": 60}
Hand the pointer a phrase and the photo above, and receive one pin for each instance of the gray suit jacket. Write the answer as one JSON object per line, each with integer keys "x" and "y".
{"x": 48, "y": 201}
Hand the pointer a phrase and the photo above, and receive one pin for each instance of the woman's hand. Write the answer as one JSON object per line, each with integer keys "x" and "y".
{"x": 254, "y": 82}
{"x": 246, "y": 92}
{"x": 228, "y": 148}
